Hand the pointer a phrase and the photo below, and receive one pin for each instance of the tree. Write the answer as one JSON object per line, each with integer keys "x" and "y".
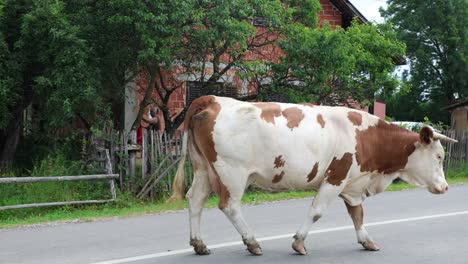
{"x": 435, "y": 33}
{"x": 329, "y": 66}
{"x": 45, "y": 63}
{"x": 213, "y": 38}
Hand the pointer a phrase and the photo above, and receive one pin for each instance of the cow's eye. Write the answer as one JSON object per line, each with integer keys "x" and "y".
{"x": 439, "y": 157}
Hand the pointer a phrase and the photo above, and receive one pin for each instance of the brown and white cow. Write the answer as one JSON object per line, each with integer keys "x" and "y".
{"x": 338, "y": 151}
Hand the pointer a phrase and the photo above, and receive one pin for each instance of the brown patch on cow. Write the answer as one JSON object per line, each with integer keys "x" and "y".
{"x": 355, "y": 118}
{"x": 294, "y": 116}
{"x": 357, "y": 214}
{"x": 201, "y": 119}
{"x": 269, "y": 111}
{"x": 313, "y": 173}
{"x": 320, "y": 120}
{"x": 338, "y": 169}
{"x": 426, "y": 135}
{"x": 279, "y": 161}
{"x": 384, "y": 148}
{"x": 224, "y": 196}
{"x": 203, "y": 112}
{"x": 278, "y": 177}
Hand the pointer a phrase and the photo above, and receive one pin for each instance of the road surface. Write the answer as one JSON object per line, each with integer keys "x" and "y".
{"x": 410, "y": 226}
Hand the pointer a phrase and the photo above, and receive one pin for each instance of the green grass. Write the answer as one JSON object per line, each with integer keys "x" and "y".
{"x": 127, "y": 206}
{"x": 124, "y": 207}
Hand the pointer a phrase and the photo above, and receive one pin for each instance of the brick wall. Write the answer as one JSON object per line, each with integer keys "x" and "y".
{"x": 330, "y": 13}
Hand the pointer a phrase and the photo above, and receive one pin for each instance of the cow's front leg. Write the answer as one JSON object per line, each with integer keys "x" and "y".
{"x": 326, "y": 194}
{"x": 357, "y": 214}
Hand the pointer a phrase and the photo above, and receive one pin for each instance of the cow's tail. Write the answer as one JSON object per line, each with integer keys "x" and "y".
{"x": 178, "y": 187}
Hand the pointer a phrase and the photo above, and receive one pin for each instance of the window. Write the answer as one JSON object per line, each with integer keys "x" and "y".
{"x": 260, "y": 22}
{"x": 197, "y": 89}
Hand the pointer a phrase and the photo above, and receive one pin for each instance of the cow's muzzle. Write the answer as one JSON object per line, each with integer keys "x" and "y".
{"x": 439, "y": 189}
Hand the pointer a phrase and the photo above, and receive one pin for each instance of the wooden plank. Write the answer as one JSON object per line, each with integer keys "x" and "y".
{"x": 166, "y": 144}
{"x": 157, "y": 180}
{"x": 112, "y": 150}
{"x": 159, "y": 139}
{"x": 151, "y": 178}
{"x": 151, "y": 139}
{"x": 58, "y": 178}
{"x": 122, "y": 161}
{"x": 109, "y": 171}
{"x": 53, "y": 204}
{"x": 132, "y": 159}
{"x": 144, "y": 153}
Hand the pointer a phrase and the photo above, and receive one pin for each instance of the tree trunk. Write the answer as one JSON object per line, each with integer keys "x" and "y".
{"x": 9, "y": 138}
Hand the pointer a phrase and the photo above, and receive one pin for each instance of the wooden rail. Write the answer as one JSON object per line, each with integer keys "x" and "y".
{"x": 110, "y": 176}
{"x": 58, "y": 178}
{"x": 61, "y": 178}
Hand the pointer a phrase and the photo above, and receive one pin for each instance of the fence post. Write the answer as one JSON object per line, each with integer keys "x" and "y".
{"x": 109, "y": 171}
{"x": 123, "y": 159}
{"x": 144, "y": 153}
{"x": 132, "y": 157}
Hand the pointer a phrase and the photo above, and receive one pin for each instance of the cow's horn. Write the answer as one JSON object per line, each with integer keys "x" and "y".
{"x": 443, "y": 137}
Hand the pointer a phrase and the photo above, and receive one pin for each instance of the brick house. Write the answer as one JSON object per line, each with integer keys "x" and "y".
{"x": 336, "y": 12}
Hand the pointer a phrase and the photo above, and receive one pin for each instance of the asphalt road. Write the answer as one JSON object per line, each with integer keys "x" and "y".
{"x": 410, "y": 226}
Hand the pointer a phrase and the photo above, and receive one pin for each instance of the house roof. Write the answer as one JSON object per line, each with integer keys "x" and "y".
{"x": 455, "y": 105}
{"x": 349, "y": 11}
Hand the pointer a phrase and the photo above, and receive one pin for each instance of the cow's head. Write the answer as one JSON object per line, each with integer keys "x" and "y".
{"x": 425, "y": 164}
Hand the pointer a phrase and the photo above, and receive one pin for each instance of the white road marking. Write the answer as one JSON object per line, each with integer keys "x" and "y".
{"x": 230, "y": 244}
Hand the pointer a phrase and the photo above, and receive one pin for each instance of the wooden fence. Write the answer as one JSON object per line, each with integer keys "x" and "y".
{"x": 160, "y": 155}
{"x": 146, "y": 168}
{"x": 456, "y": 153}
{"x": 110, "y": 176}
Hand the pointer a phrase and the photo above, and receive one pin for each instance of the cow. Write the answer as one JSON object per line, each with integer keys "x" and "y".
{"x": 338, "y": 151}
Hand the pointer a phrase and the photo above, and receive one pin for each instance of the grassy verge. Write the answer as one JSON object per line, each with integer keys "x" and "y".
{"x": 124, "y": 207}
{"x": 128, "y": 206}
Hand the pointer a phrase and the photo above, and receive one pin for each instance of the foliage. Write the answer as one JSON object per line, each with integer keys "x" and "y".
{"x": 47, "y": 65}
{"x": 435, "y": 33}
{"x": 328, "y": 66}
{"x": 216, "y": 40}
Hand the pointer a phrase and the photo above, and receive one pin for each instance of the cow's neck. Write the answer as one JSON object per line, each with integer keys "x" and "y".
{"x": 384, "y": 148}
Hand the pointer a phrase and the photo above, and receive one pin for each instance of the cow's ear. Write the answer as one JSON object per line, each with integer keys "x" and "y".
{"x": 426, "y": 135}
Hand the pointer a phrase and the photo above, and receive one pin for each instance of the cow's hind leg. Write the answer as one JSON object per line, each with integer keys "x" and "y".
{"x": 233, "y": 211}
{"x": 357, "y": 214}
{"x": 326, "y": 194}
{"x": 230, "y": 204}
{"x": 196, "y": 197}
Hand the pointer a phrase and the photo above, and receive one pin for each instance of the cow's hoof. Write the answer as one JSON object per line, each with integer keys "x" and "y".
{"x": 253, "y": 247}
{"x": 199, "y": 247}
{"x": 371, "y": 246}
{"x": 299, "y": 247}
